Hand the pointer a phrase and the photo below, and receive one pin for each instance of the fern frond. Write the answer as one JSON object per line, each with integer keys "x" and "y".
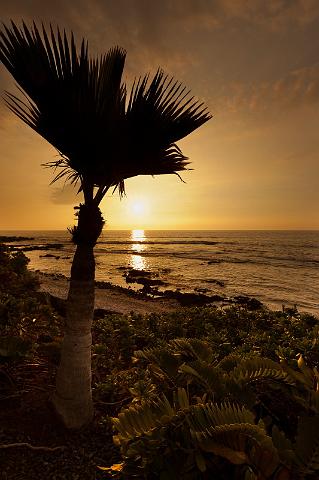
{"x": 211, "y": 415}
{"x": 229, "y": 362}
{"x": 138, "y": 420}
{"x": 255, "y": 369}
{"x": 192, "y": 348}
{"x": 181, "y": 399}
{"x": 230, "y": 431}
{"x": 168, "y": 361}
{"x": 208, "y": 376}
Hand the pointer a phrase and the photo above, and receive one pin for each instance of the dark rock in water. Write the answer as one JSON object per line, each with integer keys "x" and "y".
{"x": 165, "y": 270}
{"x": 201, "y": 290}
{"x": 148, "y": 282}
{"x": 50, "y": 255}
{"x": 220, "y": 283}
{"x": 30, "y": 248}
{"x": 143, "y": 277}
{"x": 188, "y": 299}
{"x": 54, "y": 276}
{"x": 5, "y": 239}
{"x": 250, "y": 303}
{"x": 138, "y": 273}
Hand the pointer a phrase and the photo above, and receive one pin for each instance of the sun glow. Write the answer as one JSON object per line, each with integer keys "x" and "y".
{"x": 139, "y": 208}
{"x": 138, "y": 261}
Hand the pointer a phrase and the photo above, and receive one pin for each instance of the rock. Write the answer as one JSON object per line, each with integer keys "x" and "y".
{"x": 250, "y": 303}
{"x": 220, "y": 283}
{"x": 187, "y": 299}
{"x": 165, "y": 270}
{"x": 143, "y": 277}
{"x": 5, "y": 239}
{"x": 146, "y": 282}
{"x": 30, "y": 248}
{"x": 138, "y": 273}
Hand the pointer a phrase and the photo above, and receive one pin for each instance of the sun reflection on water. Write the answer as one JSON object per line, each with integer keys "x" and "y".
{"x": 138, "y": 261}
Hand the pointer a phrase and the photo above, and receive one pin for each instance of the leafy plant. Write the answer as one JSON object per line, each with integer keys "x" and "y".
{"x": 210, "y": 419}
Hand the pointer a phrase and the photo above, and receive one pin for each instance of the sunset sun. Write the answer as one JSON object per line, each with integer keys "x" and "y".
{"x": 139, "y": 208}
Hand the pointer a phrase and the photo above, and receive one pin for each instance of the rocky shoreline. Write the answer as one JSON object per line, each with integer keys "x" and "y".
{"x": 111, "y": 298}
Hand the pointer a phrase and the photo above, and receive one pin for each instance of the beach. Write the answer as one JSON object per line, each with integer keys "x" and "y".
{"x": 110, "y": 298}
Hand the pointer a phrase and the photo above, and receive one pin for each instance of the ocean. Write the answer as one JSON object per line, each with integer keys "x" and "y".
{"x": 276, "y": 267}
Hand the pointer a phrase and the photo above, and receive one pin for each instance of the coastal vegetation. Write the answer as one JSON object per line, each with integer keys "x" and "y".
{"x": 104, "y": 135}
{"x": 228, "y": 392}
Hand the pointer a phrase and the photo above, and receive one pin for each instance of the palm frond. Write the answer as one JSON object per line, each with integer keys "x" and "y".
{"x": 79, "y": 105}
{"x": 163, "y": 104}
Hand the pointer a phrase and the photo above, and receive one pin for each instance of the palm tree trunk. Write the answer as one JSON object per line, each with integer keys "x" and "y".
{"x": 73, "y": 396}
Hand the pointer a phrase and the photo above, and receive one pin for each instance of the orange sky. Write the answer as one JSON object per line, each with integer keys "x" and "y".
{"x": 256, "y": 163}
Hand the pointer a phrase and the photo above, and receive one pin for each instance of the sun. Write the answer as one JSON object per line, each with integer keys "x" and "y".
{"x": 138, "y": 212}
{"x": 139, "y": 208}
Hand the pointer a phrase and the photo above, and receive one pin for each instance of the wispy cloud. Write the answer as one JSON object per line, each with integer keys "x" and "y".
{"x": 298, "y": 88}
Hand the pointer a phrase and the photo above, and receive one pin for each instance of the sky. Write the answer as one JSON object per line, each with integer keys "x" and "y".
{"x": 255, "y": 64}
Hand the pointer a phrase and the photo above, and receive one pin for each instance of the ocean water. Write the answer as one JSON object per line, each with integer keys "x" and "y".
{"x": 276, "y": 267}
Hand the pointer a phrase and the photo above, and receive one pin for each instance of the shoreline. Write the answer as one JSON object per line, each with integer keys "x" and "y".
{"x": 110, "y": 298}
{"x": 157, "y": 291}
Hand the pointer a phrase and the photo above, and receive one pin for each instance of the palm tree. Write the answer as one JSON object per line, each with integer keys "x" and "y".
{"x": 104, "y": 135}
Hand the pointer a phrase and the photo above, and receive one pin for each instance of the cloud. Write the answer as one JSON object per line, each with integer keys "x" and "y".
{"x": 204, "y": 43}
{"x": 157, "y": 31}
{"x": 273, "y": 14}
{"x": 298, "y": 88}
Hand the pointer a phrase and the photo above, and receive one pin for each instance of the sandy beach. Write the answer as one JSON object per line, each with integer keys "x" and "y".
{"x": 110, "y": 298}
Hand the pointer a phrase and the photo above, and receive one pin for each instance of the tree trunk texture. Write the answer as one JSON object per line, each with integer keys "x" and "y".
{"x": 73, "y": 396}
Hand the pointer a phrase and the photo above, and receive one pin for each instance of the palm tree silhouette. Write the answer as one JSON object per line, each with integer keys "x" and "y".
{"x": 104, "y": 135}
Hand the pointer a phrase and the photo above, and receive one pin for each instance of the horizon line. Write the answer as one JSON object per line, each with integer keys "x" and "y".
{"x": 173, "y": 229}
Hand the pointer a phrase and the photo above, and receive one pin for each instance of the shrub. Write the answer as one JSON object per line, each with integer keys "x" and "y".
{"x": 209, "y": 417}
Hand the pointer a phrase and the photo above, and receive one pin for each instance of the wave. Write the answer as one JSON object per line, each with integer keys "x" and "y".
{"x": 287, "y": 262}
{"x": 157, "y": 242}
